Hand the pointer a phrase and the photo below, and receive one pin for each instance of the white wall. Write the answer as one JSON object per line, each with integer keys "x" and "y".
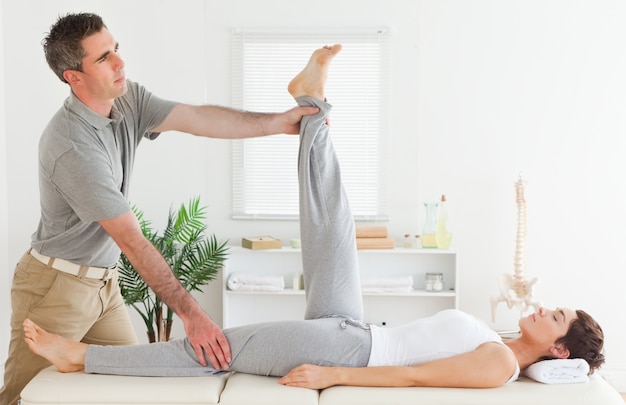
{"x": 4, "y": 227}
{"x": 482, "y": 90}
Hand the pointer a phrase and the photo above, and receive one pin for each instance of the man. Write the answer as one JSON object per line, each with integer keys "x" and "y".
{"x": 67, "y": 281}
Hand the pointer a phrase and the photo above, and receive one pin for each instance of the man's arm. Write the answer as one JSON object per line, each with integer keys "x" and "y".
{"x": 223, "y": 122}
{"x": 490, "y": 365}
{"x": 202, "y": 332}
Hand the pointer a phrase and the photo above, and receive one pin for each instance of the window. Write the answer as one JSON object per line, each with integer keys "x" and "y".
{"x": 265, "y": 169}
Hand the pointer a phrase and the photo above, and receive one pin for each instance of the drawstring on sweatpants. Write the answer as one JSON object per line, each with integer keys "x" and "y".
{"x": 346, "y": 320}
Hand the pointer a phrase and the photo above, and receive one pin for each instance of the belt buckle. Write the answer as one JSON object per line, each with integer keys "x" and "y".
{"x": 105, "y": 276}
{"x": 108, "y": 272}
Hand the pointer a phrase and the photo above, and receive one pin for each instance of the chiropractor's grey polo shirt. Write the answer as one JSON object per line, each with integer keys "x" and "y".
{"x": 85, "y": 166}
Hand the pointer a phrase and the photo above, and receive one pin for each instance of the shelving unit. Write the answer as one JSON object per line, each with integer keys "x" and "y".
{"x": 388, "y": 309}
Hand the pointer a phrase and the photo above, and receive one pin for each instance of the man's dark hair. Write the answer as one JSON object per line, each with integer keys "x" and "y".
{"x": 63, "y": 44}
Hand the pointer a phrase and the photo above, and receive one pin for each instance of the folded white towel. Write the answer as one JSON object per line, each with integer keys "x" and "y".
{"x": 386, "y": 289}
{"x": 559, "y": 371}
{"x": 387, "y": 284}
{"x": 252, "y": 282}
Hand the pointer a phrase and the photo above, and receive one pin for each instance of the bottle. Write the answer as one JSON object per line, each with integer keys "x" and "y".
{"x": 442, "y": 233}
{"x": 430, "y": 226}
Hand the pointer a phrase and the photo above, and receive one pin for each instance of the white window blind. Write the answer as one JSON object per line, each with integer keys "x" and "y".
{"x": 265, "y": 169}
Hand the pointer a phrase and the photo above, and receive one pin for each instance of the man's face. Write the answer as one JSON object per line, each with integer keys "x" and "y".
{"x": 102, "y": 77}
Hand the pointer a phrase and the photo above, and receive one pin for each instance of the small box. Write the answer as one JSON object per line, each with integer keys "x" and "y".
{"x": 375, "y": 243}
{"x": 261, "y": 242}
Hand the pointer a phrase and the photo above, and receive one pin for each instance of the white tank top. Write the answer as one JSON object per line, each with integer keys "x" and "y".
{"x": 442, "y": 335}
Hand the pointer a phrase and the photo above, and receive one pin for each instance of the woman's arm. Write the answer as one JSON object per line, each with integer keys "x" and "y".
{"x": 490, "y": 365}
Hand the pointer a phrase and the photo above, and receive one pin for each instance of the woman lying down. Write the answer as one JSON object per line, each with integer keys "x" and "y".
{"x": 332, "y": 346}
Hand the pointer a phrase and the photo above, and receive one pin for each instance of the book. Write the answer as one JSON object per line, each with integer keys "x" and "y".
{"x": 261, "y": 242}
{"x": 371, "y": 232}
{"x": 375, "y": 243}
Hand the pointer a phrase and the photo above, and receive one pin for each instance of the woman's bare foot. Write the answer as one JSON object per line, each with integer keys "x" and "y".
{"x": 66, "y": 355}
{"x": 311, "y": 80}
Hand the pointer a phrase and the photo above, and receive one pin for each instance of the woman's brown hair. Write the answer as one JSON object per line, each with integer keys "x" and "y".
{"x": 585, "y": 340}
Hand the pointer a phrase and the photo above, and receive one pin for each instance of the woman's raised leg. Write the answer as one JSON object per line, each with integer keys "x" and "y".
{"x": 330, "y": 262}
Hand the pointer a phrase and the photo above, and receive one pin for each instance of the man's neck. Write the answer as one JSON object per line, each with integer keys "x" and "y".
{"x": 101, "y": 107}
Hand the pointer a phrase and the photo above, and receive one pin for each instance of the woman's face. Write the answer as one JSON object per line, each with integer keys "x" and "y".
{"x": 546, "y": 325}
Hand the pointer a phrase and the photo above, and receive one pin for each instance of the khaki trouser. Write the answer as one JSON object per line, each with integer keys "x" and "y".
{"x": 87, "y": 310}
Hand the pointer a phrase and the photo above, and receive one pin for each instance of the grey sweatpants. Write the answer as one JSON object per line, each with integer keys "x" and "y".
{"x": 331, "y": 333}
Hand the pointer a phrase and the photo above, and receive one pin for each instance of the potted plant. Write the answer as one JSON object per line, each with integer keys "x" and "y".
{"x": 194, "y": 258}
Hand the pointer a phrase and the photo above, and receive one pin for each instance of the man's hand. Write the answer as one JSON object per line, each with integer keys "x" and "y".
{"x": 309, "y": 376}
{"x": 208, "y": 339}
{"x": 292, "y": 118}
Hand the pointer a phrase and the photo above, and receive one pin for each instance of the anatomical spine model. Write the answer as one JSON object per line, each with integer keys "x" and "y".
{"x": 516, "y": 290}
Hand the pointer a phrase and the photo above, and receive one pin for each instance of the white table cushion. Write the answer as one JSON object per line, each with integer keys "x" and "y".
{"x": 52, "y": 387}
{"x": 247, "y": 389}
{"x": 522, "y": 392}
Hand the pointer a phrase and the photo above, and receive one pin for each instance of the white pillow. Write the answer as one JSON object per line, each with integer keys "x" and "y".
{"x": 559, "y": 371}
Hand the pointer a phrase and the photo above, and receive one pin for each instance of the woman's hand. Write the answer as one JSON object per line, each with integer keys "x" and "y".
{"x": 310, "y": 376}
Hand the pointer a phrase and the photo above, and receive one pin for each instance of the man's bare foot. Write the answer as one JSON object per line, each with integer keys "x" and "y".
{"x": 66, "y": 355}
{"x": 311, "y": 80}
